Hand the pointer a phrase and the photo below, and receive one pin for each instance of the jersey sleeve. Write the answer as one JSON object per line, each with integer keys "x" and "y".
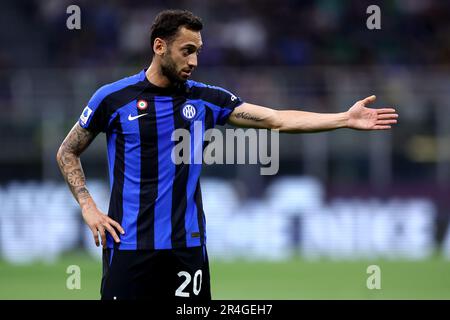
{"x": 95, "y": 116}
{"x": 220, "y": 100}
{"x": 227, "y": 101}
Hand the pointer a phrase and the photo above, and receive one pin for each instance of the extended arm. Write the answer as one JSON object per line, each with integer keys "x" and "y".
{"x": 69, "y": 163}
{"x": 357, "y": 117}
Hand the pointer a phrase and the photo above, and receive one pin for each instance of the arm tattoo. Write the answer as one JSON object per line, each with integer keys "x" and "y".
{"x": 76, "y": 178}
{"x": 68, "y": 158}
{"x": 246, "y": 116}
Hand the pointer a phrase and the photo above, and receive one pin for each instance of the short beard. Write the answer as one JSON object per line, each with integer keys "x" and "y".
{"x": 169, "y": 70}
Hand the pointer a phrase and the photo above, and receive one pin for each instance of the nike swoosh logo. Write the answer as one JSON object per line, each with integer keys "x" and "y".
{"x": 131, "y": 118}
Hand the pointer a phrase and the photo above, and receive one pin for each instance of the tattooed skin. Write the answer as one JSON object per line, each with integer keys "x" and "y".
{"x": 69, "y": 163}
{"x": 246, "y": 116}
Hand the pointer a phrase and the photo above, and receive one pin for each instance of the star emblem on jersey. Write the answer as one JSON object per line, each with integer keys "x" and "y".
{"x": 188, "y": 111}
{"x": 142, "y": 104}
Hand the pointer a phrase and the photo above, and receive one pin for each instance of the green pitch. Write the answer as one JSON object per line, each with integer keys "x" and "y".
{"x": 294, "y": 279}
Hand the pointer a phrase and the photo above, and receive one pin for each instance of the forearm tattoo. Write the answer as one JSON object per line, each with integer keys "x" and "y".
{"x": 246, "y": 116}
{"x": 69, "y": 163}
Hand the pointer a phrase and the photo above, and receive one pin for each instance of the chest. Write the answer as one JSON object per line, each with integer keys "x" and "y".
{"x": 152, "y": 116}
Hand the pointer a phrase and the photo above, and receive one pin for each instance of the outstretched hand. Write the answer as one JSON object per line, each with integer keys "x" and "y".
{"x": 362, "y": 118}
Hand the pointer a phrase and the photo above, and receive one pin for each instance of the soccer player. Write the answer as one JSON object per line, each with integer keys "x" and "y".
{"x": 154, "y": 236}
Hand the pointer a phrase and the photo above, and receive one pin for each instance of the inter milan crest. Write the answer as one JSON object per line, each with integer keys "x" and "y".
{"x": 188, "y": 112}
{"x": 142, "y": 104}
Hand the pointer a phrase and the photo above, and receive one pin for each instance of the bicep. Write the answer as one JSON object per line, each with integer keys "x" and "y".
{"x": 78, "y": 139}
{"x": 249, "y": 115}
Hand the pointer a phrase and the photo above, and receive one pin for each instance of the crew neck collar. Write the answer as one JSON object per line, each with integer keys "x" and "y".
{"x": 181, "y": 86}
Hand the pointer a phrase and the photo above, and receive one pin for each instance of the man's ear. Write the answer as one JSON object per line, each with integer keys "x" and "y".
{"x": 159, "y": 46}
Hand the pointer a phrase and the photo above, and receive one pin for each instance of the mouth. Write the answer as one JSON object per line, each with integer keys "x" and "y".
{"x": 186, "y": 73}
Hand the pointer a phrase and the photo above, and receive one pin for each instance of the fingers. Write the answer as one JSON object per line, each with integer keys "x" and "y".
{"x": 112, "y": 232}
{"x": 384, "y": 122}
{"x": 369, "y": 100}
{"x": 116, "y": 225}
{"x": 385, "y": 110}
{"x": 95, "y": 234}
{"x": 381, "y": 127}
{"x": 384, "y": 116}
{"x": 101, "y": 230}
{"x": 100, "y": 224}
{"x": 106, "y": 225}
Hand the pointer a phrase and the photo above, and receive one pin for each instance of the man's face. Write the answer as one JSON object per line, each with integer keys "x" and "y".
{"x": 180, "y": 58}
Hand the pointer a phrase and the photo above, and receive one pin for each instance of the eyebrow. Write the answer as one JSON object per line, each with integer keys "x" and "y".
{"x": 192, "y": 46}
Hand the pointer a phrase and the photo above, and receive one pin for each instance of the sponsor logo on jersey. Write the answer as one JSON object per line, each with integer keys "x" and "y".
{"x": 131, "y": 118}
{"x": 85, "y": 115}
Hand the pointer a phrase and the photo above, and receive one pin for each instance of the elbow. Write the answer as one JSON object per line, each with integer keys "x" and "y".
{"x": 62, "y": 155}
{"x": 59, "y": 154}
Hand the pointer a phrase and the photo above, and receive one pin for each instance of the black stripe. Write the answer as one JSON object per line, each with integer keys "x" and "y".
{"x": 200, "y": 212}
{"x": 215, "y": 96}
{"x": 116, "y": 201}
{"x": 204, "y": 93}
{"x": 209, "y": 118}
{"x": 179, "y": 199}
{"x": 149, "y": 177}
{"x": 209, "y": 123}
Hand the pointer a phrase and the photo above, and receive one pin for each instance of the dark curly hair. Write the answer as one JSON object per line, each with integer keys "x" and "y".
{"x": 168, "y": 22}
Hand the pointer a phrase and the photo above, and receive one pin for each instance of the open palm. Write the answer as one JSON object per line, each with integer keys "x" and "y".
{"x": 362, "y": 118}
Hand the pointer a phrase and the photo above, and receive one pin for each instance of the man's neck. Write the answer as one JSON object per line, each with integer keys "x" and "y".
{"x": 155, "y": 77}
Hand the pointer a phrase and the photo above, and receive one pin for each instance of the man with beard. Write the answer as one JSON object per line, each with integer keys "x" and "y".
{"x": 154, "y": 237}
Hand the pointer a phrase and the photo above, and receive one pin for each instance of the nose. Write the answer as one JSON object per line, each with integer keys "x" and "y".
{"x": 192, "y": 61}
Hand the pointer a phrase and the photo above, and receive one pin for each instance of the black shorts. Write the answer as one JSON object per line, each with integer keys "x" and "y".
{"x": 173, "y": 274}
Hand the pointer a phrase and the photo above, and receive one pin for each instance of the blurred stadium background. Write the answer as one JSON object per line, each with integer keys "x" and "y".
{"x": 342, "y": 200}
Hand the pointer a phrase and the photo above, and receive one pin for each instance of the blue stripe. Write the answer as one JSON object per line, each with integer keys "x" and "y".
{"x": 111, "y": 143}
{"x": 204, "y": 228}
{"x": 166, "y": 173}
{"x": 111, "y": 257}
{"x": 110, "y": 88}
{"x": 132, "y": 176}
{"x": 197, "y": 130}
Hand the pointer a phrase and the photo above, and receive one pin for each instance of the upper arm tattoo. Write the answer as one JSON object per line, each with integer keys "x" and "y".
{"x": 78, "y": 139}
{"x": 247, "y": 116}
{"x": 69, "y": 163}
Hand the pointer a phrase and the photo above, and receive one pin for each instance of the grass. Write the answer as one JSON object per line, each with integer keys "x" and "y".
{"x": 293, "y": 280}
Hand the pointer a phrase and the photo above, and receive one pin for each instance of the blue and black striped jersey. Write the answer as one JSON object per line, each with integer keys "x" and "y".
{"x": 157, "y": 201}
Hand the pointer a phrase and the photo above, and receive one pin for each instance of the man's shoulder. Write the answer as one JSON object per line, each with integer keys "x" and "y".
{"x": 214, "y": 94}
{"x": 201, "y": 85}
{"x": 208, "y": 90}
{"x": 112, "y": 87}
